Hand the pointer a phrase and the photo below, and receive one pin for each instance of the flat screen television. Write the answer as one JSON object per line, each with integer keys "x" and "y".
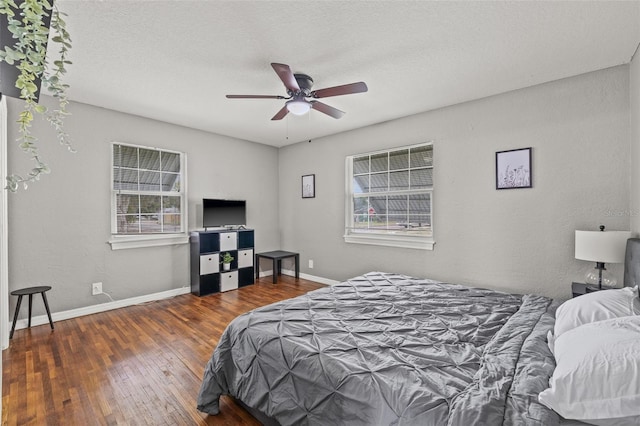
{"x": 223, "y": 213}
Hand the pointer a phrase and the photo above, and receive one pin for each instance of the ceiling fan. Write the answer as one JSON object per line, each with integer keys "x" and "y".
{"x": 299, "y": 89}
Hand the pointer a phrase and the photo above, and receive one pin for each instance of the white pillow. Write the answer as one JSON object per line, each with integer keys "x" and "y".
{"x": 597, "y": 377}
{"x": 596, "y": 306}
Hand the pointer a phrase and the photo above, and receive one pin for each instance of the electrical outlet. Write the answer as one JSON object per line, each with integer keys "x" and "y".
{"x": 96, "y": 288}
{"x": 310, "y": 263}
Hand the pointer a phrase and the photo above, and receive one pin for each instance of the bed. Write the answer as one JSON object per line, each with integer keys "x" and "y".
{"x": 389, "y": 349}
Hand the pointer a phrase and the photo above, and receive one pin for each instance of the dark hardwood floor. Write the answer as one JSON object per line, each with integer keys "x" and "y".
{"x": 140, "y": 365}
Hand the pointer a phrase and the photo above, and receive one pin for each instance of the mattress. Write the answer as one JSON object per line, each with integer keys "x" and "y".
{"x": 387, "y": 348}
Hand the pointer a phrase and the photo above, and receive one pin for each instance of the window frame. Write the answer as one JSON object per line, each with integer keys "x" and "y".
{"x": 384, "y": 238}
{"x": 127, "y": 241}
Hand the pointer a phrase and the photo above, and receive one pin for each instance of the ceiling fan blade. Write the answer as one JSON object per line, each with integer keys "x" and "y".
{"x": 280, "y": 114}
{"x": 287, "y": 77}
{"x": 345, "y": 89}
{"x": 255, "y": 97}
{"x": 329, "y": 110}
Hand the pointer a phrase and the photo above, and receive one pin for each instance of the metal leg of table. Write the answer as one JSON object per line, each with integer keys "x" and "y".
{"x": 15, "y": 317}
{"x": 30, "y": 304}
{"x": 46, "y": 305}
{"x": 275, "y": 271}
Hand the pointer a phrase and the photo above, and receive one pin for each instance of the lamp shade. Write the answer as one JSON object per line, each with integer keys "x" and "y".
{"x": 298, "y": 107}
{"x": 602, "y": 246}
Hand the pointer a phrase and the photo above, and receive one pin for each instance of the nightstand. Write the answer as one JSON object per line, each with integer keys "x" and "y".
{"x": 578, "y": 289}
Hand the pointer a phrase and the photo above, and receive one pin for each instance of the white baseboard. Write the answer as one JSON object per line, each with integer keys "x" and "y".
{"x": 320, "y": 280}
{"x": 290, "y": 273}
{"x": 101, "y": 307}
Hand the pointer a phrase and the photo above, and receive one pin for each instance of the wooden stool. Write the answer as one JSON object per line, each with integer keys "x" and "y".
{"x": 30, "y": 291}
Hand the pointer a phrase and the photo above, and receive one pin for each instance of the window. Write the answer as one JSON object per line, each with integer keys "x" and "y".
{"x": 390, "y": 197}
{"x": 148, "y": 195}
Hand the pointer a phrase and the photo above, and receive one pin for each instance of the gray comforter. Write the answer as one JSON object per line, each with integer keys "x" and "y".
{"x": 387, "y": 349}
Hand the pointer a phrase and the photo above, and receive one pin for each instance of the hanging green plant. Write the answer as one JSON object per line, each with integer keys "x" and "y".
{"x": 27, "y": 22}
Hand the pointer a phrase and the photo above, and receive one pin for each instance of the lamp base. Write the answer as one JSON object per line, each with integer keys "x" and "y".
{"x": 599, "y": 277}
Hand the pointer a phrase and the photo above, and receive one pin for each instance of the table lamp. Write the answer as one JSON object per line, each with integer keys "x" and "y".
{"x": 601, "y": 247}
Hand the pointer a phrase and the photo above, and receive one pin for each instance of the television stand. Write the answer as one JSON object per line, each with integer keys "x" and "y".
{"x": 206, "y": 251}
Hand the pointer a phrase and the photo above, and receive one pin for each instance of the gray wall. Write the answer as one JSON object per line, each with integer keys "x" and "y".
{"x": 517, "y": 240}
{"x": 59, "y": 227}
{"x": 634, "y": 93}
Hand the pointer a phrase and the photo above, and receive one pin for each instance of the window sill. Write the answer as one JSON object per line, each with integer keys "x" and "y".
{"x": 139, "y": 241}
{"x": 420, "y": 243}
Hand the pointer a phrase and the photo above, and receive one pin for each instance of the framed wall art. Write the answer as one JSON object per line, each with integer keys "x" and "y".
{"x": 513, "y": 169}
{"x": 308, "y": 186}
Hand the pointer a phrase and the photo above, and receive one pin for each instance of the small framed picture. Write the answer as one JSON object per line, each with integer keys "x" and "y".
{"x": 513, "y": 169}
{"x": 308, "y": 186}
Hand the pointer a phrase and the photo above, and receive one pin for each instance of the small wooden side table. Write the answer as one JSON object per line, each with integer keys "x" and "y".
{"x": 277, "y": 256}
{"x": 30, "y": 291}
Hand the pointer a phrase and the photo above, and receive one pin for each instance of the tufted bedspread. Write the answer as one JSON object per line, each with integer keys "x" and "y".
{"x": 388, "y": 349}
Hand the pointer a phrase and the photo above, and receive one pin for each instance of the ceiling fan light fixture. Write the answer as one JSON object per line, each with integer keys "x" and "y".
{"x": 298, "y": 107}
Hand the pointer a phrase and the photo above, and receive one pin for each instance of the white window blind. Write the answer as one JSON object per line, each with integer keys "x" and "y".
{"x": 390, "y": 197}
{"x": 148, "y": 191}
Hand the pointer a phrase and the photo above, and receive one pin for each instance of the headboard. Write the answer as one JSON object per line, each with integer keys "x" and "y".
{"x": 632, "y": 263}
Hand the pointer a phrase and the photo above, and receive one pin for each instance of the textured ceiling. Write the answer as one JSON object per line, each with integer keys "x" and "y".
{"x": 176, "y": 60}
